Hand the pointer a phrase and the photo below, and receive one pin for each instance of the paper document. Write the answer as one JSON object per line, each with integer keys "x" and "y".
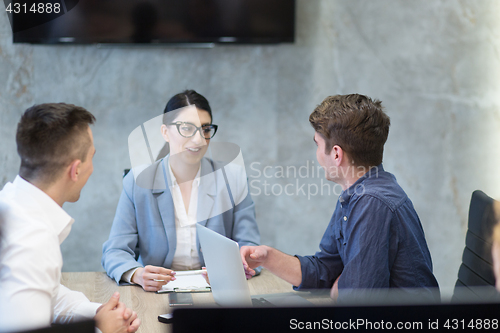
{"x": 186, "y": 283}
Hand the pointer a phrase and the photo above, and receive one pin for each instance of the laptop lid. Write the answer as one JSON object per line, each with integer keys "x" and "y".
{"x": 225, "y": 268}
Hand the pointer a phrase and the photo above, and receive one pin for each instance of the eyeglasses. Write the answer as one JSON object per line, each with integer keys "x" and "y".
{"x": 188, "y": 130}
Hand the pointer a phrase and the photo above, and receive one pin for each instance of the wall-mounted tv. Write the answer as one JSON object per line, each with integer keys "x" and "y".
{"x": 166, "y": 22}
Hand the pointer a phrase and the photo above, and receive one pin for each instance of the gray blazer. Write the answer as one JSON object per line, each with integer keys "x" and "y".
{"x": 143, "y": 230}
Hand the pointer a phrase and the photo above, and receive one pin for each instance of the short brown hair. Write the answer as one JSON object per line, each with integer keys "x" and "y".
{"x": 354, "y": 122}
{"x": 49, "y": 136}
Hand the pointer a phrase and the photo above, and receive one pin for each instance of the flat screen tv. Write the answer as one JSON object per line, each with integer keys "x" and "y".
{"x": 162, "y": 22}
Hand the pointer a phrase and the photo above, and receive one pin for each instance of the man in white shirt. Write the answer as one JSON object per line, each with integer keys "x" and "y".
{"x": 56, "y": 147}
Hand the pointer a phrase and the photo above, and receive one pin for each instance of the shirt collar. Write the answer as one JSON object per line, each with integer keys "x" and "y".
{"x": 58, "y": 219}
{"x": 346, "y": 195}
{"x": 173, "y": 180}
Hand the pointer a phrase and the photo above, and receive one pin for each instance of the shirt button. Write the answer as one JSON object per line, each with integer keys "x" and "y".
{"x": 345, "y": 218}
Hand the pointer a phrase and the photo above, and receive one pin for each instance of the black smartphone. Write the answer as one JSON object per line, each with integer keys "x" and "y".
{"x": 180, "y": 299}
{"x": 165, "y": 318}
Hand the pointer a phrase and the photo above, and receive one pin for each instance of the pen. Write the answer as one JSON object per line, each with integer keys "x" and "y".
{"x": 181, "y": 273}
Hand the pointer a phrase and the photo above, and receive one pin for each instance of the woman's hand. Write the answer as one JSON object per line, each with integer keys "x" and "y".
{"x": 152, "y": 278}
{"x": 205, "y": 275}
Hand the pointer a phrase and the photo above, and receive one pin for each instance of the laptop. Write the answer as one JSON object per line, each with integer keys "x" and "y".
{"x": 227, "y": 275}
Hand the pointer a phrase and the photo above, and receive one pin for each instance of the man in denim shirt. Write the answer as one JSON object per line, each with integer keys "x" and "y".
{"x": 375, "y": 239}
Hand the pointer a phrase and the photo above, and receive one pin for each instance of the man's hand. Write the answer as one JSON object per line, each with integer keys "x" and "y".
{"x": 115, "y": 317}
{"x": 283, "y": 265}
{"x": 252, "y": 257}
{"x": 152, "y": 278}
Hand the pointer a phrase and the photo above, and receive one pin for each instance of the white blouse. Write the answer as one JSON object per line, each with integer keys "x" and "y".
{"x": 186, "y": 254}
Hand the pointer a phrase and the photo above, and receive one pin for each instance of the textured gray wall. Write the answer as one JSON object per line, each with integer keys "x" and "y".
{"x": 435, "y": 65}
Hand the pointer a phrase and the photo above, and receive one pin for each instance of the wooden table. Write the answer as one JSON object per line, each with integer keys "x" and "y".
{"x": 98, "y": 287}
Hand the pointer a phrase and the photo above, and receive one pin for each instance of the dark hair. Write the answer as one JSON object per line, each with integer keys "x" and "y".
{"x": 185, "y": 98}
{"x": 354, "y": 122}
{"x": 49, "y": 136}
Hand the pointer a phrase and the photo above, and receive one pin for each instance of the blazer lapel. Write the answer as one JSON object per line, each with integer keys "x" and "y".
{"x": 206, "y": 192}
{"x": 206, "y": 198}
{"x": 163, "y": 195}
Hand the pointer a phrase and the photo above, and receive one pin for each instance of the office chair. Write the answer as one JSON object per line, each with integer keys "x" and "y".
{"x": 161, "y": 154}
{"x": 125, "y": 172}
{"x": 476, "y": 280}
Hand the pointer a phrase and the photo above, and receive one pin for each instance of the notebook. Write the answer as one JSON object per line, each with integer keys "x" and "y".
{"x": 187, "y": 284}
{"x": 227, "y": 275}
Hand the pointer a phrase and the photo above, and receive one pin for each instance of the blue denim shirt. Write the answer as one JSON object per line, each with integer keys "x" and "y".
{"x": 375, "y": 239}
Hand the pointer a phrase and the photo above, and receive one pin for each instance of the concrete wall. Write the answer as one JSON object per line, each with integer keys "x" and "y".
{"x": 435, "y": 66}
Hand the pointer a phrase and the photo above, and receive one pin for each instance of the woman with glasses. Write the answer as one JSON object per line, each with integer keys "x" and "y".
{"x": 154, "y": 230}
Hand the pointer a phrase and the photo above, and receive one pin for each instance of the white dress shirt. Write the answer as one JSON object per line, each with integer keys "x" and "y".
{"x": 33, "y": 228}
